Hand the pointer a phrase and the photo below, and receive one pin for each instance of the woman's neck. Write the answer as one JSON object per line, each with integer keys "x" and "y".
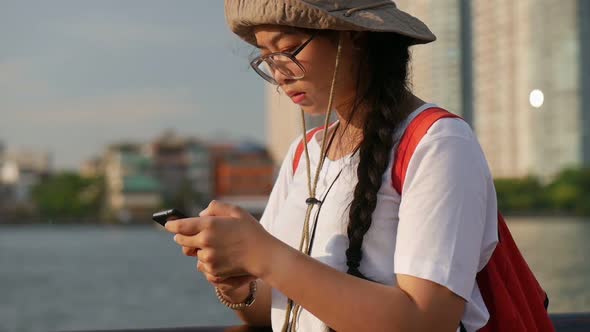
{"x": 349, "y": 132}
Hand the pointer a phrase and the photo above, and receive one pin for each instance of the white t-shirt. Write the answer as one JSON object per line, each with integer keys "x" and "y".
{"x": 444, "y": 229}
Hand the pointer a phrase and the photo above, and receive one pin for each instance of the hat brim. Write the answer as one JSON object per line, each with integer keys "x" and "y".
{"x": 244, "y": 15}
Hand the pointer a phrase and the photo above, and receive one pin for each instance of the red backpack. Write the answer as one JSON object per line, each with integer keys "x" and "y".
{"x": 511, "y": 293}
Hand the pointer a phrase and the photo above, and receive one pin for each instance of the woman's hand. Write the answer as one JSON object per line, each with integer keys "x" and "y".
{"x": 235, "y": 289}
{"x": 228, "y": 242}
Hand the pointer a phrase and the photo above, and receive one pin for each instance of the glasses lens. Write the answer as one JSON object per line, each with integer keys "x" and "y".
{"x": 281, "y": 63}
{"x": 287, "y": 66}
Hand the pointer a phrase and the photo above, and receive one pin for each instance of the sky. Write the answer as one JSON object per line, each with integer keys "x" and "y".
{"x": 76, "y": 76}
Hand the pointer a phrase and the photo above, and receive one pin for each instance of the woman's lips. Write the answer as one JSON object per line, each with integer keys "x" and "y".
{"x": 297, "y": 98}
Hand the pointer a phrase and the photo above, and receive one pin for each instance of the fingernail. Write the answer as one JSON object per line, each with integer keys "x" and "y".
{"x": 174, "y": 238}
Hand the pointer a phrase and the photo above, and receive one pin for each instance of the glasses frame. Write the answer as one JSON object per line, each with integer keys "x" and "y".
{"x": 255, "y": 63}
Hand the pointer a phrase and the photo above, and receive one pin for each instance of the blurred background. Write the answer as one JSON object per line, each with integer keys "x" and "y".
{"x": 111, "y": 110}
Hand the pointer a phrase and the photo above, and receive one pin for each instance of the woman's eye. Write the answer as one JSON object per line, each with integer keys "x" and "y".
{"x": 289, "y": 49}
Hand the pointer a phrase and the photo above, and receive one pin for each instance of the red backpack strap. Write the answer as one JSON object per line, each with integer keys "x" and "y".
{"x": 410, "y": 139}
{"x": 300, "y": 147}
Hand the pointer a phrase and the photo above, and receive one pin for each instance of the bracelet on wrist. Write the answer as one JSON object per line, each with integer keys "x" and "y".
{"x": 239, "y": 306}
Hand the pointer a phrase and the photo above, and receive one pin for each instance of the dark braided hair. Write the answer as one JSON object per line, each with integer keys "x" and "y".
{"x": 382, "y": 93}
{"x": 382, "y": 90}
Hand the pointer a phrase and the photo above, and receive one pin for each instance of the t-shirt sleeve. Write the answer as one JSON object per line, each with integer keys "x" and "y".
{"x": 280, "y": 189}
{"x": 442, "y": 213}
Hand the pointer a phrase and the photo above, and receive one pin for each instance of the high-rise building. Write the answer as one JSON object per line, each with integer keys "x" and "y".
{"x": 529, "y": 117}
{"x": 436, "y": 68}
{"x": 494, "y": 60}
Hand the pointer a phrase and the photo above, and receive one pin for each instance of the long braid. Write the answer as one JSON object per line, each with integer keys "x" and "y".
{"x": 386, "y": 88}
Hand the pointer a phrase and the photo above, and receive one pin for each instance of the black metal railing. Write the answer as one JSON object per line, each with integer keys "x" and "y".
{"x": 578, "y": 322}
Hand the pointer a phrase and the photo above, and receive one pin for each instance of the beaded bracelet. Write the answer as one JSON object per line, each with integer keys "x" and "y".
{"x": 239, "y": 306}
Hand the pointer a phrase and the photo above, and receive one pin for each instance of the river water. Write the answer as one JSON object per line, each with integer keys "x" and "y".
{"x": 96, "y": 277}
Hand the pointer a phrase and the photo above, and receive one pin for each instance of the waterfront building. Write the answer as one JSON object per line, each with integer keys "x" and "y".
{"x": 20, "y": 172}
{"x": 184, "y": 167}
{"x": 132, "y": 190}
{"x": 243, "y": 170}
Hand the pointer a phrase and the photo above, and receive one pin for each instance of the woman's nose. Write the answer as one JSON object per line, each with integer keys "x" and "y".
{"x": 279, "y": 77}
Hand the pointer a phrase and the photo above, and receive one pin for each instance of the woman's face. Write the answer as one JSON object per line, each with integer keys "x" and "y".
{"x": 318, "y": 58}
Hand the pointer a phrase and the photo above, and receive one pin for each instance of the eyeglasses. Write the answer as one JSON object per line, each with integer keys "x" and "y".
{"x": 285, "y": 63}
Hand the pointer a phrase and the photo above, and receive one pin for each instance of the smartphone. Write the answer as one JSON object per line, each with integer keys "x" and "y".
{"x": 162, "y": 217}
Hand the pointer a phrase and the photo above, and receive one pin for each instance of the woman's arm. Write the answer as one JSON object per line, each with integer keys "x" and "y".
{"x": 238, "y": 245}
{"x": 347, "y": 303}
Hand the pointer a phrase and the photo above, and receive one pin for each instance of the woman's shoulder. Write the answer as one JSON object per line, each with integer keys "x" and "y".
{"x": 452, "y": 138}
{"x": 450, "y": 135}
{"x": 450, "y": 127}
{"x": 445, "y": 127}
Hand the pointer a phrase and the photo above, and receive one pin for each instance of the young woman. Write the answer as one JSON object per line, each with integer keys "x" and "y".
{"x": 337, "y": 246}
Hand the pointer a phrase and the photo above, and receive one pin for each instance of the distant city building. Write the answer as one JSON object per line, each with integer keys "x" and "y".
{"x": 20, "y": 171}
{"x": 436, "y": 68}
{"x": 92, "y": 168}
{"x": 243, "y": 173}
{"x": 132, "y": 191}
{"x": 529, "y": 87}
{"x": 2, "y": 151}
{"x": 4, "y": 189}
{"x": 523, "y": 85}
{"x": 37, "y": 161}
{"x": 183, "y": 166}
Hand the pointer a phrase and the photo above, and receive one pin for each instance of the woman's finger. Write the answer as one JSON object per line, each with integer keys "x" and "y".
{"x": 218, "y": 208}
{"x": 206, "y": 256}
{"x": 191, "y": 241}
{"x": 214, "y": 280}
{"x": 188, "y": 251}
{"x": 188, "y": 226}
{"x": 200, "y": 267}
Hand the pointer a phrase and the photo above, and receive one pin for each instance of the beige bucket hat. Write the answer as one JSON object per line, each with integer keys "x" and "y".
{"x": 356, "y": 15}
